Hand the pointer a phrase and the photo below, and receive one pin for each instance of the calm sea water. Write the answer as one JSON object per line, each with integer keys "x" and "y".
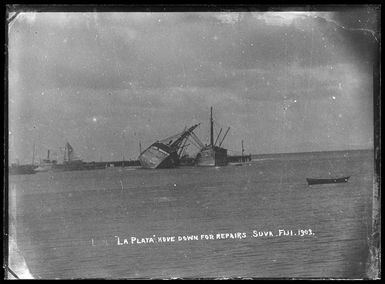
{"x": 67, "y": 223}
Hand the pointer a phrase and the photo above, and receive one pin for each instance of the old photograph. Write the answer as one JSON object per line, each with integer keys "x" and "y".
{"x": 197, "y": 142}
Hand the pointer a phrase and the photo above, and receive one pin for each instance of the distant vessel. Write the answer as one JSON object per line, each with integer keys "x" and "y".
{"x": 70, "y": 161}
{"x": 46, "y": 164}
{"x": 16, "y": 169}
{"x": 165, "y": 153}
{"x": 212, "y": 155}
{"x": 312, "y": 181}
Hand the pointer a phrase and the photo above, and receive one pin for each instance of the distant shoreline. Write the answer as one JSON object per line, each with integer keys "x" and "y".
{"x": 253, "y": 156}
{"x": 313, "y": 152}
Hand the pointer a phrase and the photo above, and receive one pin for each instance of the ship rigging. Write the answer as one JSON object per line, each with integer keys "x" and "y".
{"x": 167, "y": 153}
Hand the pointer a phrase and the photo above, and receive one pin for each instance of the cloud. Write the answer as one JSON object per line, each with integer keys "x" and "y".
{"x": 153, "y": 73}
{"x": 101, "y": 56}
{"x": 280, "y": 18}
{"x": 292, "y": 18}
{"x": 228, "y": 17}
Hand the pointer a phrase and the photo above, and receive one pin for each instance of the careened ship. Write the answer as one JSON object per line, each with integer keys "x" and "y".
{"x": 167, "y": 152}
{"x": 212, "y": 155}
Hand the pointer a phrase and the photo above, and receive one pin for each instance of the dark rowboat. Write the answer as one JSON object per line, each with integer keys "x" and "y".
{"x": 312, "y": 181}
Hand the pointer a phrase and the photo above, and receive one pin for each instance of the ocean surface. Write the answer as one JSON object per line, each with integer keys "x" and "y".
{"x": 233, "y": 221}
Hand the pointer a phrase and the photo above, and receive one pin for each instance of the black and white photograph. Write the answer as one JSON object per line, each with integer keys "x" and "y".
{"x": 192, "y": 142}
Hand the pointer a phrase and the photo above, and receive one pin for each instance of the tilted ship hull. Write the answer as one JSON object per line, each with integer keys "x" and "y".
{"x": 159, "y": 155}
{"x": 165, "y": 153}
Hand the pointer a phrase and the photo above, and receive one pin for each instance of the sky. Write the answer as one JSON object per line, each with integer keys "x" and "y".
{"x": 290, "y": 81}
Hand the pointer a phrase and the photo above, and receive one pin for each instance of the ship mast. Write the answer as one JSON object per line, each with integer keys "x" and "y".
{"x": 243, "y": 150}
{"x": 33, "y": 154}
{"x": 211, "y": 127}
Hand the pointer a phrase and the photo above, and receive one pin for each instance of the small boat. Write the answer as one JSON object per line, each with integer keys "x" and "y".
{"x": 312, "y": 181}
